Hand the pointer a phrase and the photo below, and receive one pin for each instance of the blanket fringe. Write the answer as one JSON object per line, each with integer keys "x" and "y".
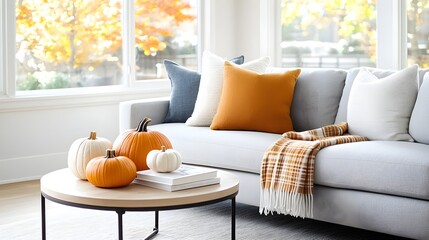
{"x": 294, "y": 204}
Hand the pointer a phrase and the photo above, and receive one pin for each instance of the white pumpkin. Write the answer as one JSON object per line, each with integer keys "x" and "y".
{"x": 83, "y": 150}
{"x": 164, "y": 160}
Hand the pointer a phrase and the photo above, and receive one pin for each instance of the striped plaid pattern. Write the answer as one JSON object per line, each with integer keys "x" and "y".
{"x": 287, "y": 171}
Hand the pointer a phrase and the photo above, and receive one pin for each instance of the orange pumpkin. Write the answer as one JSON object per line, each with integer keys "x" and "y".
{"x": 137, "y": 143}
{"x": 110, "y": 171}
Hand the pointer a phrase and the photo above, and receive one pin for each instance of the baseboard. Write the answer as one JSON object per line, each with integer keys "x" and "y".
{"x": 30, "y": 167}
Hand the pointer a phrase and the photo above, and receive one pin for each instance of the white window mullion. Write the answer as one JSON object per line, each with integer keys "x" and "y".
{"x": 128, "y": 43}
{"x": 7, "y": 54}
{"x": 207, "y": 25}
{"x": 391, "y": 34}
{"x": 402, "y": 33}
{"x": 2, "y": 47}
{"x": 270, "y": 30}
{"x": 204, "y": 28}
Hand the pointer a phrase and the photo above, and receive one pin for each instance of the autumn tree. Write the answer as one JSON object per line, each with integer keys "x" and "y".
{"x": 70, "y": 35}
{"x": 356, "y": 23}
{"x": 354, "y": 20}
{"x": 418, "y": 31}
{"x": 156, "y": 19}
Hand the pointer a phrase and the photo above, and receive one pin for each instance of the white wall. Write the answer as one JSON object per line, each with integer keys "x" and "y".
{"x": 36, "y": 142}
{"x": 248, "y": 28}
{"x": 235, "y": 28}
{"x": 220, "y": 27}
{"x": 35, "y": 136}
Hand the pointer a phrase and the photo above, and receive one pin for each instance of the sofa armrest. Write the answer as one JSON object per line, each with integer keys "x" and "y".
{"x": 132, "y": 112}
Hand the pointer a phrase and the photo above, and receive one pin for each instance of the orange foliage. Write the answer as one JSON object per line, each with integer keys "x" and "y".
{"x": 155, "y": 19}
{"x": 77, "y": 32}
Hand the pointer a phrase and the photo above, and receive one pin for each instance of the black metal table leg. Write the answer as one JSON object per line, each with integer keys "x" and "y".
{"x": 155, "y": 230}
{"x": 233, "y": 218}
{"x": 156, "y": 221}
{"x": 42, "y": 200}
{"x": 120, "y": 231}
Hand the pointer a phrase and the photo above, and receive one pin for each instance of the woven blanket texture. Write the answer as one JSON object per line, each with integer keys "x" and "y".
{"x": 287, "y": 170}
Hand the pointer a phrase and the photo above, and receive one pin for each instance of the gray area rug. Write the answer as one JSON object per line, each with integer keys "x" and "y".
{"x": 207, "y": 222}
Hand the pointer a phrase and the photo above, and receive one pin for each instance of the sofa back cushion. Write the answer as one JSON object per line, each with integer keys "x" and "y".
{"x": 420, "y": 116}
{"x": 351, "y": 75}
{"x": 316, "y": 97}
{"x": 380, "y": 108}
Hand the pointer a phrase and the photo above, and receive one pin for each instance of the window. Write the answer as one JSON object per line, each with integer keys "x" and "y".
{"x": 66, "y": 44}
{"x": 339, "y": 34}
{"x": 418, "y": 32}
{"x": 80, "y": 43}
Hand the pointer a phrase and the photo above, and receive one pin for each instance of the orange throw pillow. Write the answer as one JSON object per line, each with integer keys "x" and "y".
{"x": 256, "y": 102}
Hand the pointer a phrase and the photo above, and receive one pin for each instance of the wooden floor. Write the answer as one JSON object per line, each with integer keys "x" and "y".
{"x": 19, "y": 201}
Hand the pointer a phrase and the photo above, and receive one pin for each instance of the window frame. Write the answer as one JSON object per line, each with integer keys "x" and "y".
{"x": 271, "y": 36}
{"x": 129, "y": 83}
{"x": 394, "y": 14}
{"x": 2, "y": 59}
{"x": 2, "y": 45}
{"x": 389, "y": 13}
{"x": 7, "y": 48}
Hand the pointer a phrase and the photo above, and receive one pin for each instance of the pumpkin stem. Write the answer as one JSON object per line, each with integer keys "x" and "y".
{"x": 92, "y": 135}
{"x": 163, "y": 148}
{"x": 110, "y": 153}
{"x": 142, "y": 127}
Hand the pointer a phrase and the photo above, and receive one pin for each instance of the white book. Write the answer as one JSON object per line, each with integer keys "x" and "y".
{"x": 172, "y": 188}
{"x": 185, "y": 174}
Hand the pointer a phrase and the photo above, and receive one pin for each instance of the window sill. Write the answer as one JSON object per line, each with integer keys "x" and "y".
{"x": 81, "y": 97}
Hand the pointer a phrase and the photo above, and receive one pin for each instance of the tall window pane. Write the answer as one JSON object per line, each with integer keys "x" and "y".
{"x": 165, "y": 29}
{"x": 68, "y": 43}
{"x": 418, "y": 32}
{"x": 332, "y": 33}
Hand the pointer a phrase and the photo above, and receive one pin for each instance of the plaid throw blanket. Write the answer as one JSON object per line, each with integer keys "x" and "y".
{"x": 287, "y": 172}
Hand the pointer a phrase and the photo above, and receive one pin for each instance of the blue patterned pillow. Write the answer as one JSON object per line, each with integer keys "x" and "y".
{"x": 184, "y": 90}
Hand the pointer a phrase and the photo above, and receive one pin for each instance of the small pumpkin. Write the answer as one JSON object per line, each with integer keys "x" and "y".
{"x": 111, "y": 171}
{"x": 164, "y": 160}
{"x": 137, "y": 143}
{"x": 83, "y": 150}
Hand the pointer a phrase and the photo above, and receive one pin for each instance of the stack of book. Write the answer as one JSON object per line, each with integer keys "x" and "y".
{"x": 183, "y": 178}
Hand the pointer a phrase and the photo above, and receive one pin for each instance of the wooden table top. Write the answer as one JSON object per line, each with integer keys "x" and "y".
{"x": 63, "y": 185}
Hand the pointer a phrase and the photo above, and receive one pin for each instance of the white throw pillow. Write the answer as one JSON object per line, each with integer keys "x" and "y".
{"x": 211, "y": 86}
{"x": 380, "y": 109}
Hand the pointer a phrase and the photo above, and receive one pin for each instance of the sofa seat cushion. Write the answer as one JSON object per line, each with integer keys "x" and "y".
{"x": 238, "y": 150}
{"x": 390, "y": 167}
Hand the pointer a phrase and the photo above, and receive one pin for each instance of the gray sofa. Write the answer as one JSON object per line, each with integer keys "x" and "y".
{"x": 376, "y": 185}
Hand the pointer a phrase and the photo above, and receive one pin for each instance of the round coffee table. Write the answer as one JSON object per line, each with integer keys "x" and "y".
{"x": 63, "y": 187}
